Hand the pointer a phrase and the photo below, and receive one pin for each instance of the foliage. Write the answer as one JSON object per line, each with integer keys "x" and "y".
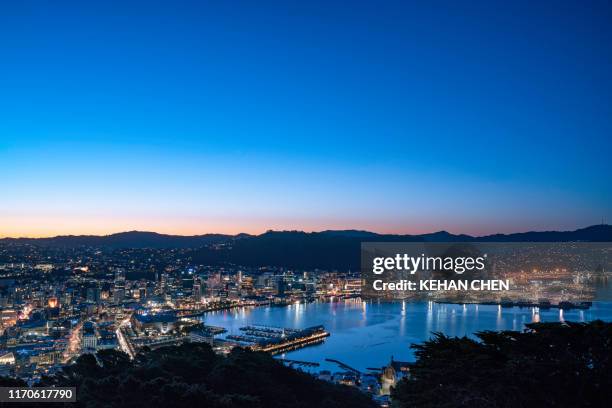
{"x": 193, "y": 375}
{"x": 547, "y": 365}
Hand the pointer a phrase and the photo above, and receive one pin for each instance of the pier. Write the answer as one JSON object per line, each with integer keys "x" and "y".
{"x": 344, "y": 366}
{"x": 268, "y": 331}
{"x": 292, "y": 363}
{"x": 278, "y": 339}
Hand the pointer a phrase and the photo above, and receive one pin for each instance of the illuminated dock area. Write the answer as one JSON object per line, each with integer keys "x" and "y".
{"x": 277, "y": 339}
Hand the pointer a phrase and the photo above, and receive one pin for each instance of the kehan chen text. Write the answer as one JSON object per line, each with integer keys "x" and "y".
{"x": 438, "y": 285}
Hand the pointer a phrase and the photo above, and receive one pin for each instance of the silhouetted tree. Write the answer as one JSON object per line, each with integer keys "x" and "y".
{"x": 547, "y": 365}
{"x": 192, "y": 375}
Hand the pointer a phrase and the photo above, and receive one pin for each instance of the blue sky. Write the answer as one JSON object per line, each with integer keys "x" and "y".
{"x": 196, "y": 117}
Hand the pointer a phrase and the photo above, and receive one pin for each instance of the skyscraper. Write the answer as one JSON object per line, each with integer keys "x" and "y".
{"x": 197, "y": 289}
{"x": 119, "y": 287}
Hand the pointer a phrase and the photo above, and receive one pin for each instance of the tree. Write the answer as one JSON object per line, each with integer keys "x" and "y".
{"x": 549, "y": 364}
{"x": 192, "y": 375}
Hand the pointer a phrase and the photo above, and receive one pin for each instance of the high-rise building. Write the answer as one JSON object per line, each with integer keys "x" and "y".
{"x": 119, "y": 287}
{"x": 142, "y": 293}
{"x": 224, "y": 293}
{"x": 163, "y": 283}
{"x": 197, "y": 289}
{"x": 281, "y": 286}
{"x": 246, "y": 287}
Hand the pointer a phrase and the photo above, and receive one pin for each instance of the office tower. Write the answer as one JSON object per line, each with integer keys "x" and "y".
{"x": 119, "y": 287}
{"x": 197, "y": 289}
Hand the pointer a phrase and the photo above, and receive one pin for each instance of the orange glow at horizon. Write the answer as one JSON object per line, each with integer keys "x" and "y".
{"x": 37, "y": 227}
{"x": 21, "y": 226}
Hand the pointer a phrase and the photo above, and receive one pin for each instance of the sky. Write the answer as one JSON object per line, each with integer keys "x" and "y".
{"x": 243, "y": 116}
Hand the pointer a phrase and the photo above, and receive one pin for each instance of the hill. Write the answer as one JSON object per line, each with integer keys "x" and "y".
{"x": 340, "y": 250}
{"x": 329, "y": 250}
{"x": 130, "y": 239}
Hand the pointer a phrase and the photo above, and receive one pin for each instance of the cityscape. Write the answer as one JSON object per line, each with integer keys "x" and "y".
{"x": 57, "y": 305}
{"x": 331, "y": 204}
{"x": 60, "y": 302}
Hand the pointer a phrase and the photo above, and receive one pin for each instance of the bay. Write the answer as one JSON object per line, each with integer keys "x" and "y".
{"x": 366, "y": 334}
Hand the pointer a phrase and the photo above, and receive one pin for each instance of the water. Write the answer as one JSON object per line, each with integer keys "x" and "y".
{"x": 367, "y": 334}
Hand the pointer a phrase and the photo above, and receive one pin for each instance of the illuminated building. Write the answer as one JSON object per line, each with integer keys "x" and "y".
{"x": 197, "y": 289}
{"x": 119, "y": 287}
{"x": 89, "y": 340}
{"x": 52, "y": 302}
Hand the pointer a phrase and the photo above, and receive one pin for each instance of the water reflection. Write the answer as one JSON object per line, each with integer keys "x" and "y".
{"x": 535, "y": 315}
{"x": 366, "y": 334}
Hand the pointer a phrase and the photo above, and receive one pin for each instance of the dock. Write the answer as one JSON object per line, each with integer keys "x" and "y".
{"x": 276, "y": 340}
{"x": 292, "y": 363}
{"x": 343, "y": 365}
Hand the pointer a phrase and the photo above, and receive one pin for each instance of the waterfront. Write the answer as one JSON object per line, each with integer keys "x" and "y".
{"x": 367, "y": 334}
{"x": 57, "y": 304}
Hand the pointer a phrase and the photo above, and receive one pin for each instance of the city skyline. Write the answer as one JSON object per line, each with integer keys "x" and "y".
{"x": 226, "y": 118}
{"x": 348, "y": 203}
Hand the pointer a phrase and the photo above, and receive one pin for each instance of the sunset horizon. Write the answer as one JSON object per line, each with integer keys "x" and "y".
{"x": 308, "y": 117}
{"x": 196, "y": 232}
{"x": 332, "y": 204}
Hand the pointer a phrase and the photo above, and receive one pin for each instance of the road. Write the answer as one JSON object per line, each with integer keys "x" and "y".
{"x": 123, "y": 340}
{"x": 74, "y": 343}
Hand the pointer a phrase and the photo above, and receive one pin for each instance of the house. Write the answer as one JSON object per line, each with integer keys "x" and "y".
{"x": 393, "y": 373}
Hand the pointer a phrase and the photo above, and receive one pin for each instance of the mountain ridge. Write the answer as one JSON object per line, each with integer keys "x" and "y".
{"x": 324, "y": 250}
{"x": 145, "y": 239}
{"x": 341, "y": 250}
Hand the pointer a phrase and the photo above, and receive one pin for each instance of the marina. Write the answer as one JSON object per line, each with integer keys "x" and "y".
{"x": 365, "y": 335}
{"x": 275, "y": 340}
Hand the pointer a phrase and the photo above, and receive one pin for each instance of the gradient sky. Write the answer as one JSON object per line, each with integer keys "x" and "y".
{"x": 195, "y": 117}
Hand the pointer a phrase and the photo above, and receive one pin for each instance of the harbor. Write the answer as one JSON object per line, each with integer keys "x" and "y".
{"x": 276, "y": 340}
{"x": 366, "y": 334}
